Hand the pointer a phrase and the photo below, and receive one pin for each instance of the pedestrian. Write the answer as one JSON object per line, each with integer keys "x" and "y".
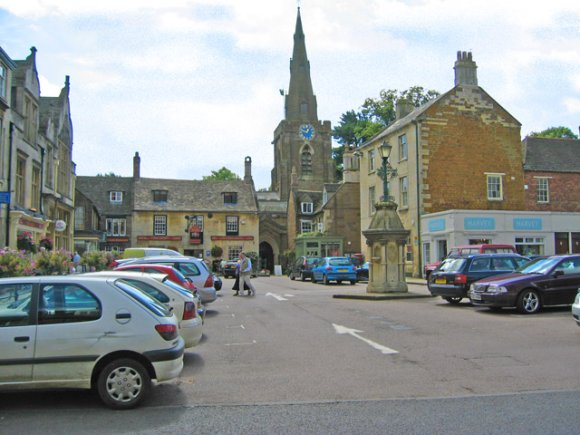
{"x": 76, "y": 259}
{"x": 246, "y": 272}
{"x": 236, "y": 285}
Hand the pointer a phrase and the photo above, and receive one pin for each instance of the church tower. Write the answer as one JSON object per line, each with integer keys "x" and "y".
{"x": 302, "y": 143}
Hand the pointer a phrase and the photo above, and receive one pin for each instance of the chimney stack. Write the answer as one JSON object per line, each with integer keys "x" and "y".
{"x": 465, "y": 69}
{"x": 403, "y": 107}
{"x": 248, "y": 170}
{"x": 136, "y": 166}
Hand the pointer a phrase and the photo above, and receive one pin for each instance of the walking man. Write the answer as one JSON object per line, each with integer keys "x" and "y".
{"x": 245, "y": 273}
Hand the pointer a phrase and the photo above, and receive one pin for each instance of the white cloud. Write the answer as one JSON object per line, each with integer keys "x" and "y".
{"x": 199, "y": 80}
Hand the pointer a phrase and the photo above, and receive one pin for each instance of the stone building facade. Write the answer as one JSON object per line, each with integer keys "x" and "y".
{"x": 460, "y": 151}
{"x": 38, "y": 173}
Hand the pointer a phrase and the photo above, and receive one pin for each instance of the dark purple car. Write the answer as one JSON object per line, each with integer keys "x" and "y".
{"x": 542, "y": 282}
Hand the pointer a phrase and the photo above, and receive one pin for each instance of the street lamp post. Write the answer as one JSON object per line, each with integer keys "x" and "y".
{"x": 386, "y": 169}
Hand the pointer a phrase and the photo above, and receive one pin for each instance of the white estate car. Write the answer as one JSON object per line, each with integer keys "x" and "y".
{"x": 86, "y": 332}
{"x": 180, "y": 300}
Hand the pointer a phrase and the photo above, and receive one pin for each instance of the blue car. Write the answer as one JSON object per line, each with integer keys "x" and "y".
{"x": 337, "y": 269}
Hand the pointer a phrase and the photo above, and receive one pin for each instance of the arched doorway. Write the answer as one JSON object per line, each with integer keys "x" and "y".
{"x": 266, "y": 257}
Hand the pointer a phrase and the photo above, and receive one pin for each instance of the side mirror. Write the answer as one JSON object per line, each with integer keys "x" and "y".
{"x": 558, "y": 273}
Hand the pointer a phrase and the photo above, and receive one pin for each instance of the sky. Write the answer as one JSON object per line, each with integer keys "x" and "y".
{"x": 193, "y": 85}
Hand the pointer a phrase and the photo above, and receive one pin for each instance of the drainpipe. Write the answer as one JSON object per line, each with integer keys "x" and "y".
{"x": 419, "y": 242}
{"x": 9, "y": 183}
{"x": 41, "y": 205}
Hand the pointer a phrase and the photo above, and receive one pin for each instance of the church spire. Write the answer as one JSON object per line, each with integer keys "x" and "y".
{"x": 300, "y": 101}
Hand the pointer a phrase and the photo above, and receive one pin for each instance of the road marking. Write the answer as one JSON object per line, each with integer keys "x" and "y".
{"x": 355, "y": 333}
{"x": 280, "y": 298}
{"x": 236, "y": 326}
{"x": 241, "y": 344}
{"x": 289, "y": 295}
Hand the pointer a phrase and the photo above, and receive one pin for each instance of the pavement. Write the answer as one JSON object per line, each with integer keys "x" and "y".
{"x": 417, "y": 289}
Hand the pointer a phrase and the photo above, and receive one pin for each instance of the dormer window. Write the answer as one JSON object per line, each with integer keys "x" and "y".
{"x": 160, "y": 196}
{"x": 115, "y": 197}
{"x": 230, "y": 198}
{"x": 307, "y": 207}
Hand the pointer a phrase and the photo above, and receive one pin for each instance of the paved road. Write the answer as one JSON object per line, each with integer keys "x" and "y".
{"x": 294, "y": 359}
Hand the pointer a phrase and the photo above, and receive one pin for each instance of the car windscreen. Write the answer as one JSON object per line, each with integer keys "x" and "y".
{"x": 144, "y": 299}
{"x": 452, "y": 265}
{"x": 149, "y": 289}
{"x": 339, "y": 262}
{"x": 540, "y": 265}
{"x": 182, "y": 290}
{"x": 189, "y": 269}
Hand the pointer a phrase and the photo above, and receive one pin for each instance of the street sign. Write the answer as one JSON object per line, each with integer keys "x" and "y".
{"x": 4, "y": 197}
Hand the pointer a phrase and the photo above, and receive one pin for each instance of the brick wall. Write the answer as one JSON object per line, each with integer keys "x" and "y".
{"x": 564, "y": 191}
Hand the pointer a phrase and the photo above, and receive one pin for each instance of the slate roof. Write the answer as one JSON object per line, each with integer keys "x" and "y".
{"x": 97, "y": 190}
{"x": 193, "y": 195}
{"x": 552, "y": 155}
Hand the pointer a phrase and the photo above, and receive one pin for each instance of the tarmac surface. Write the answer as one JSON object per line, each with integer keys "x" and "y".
{"x": 417, "y": 289}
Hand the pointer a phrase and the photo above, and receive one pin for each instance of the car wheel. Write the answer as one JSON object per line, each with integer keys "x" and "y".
{"x": 453, "y": 300}
{"x": 302, "y": 277}
{"x": 123, "y": 384}
{"x": 292, "y": 276}
{"x": 352, "y": 282}
{"x": 529, "y": 302}
{"x": 325, "y": 280}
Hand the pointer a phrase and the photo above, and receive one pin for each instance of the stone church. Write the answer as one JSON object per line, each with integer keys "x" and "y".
{"x": 302, "y": 163}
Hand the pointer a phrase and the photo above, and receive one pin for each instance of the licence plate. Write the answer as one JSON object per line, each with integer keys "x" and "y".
{"x": 342, "y": 270}
{"x": 475, "y": 296}
{"x": 440, "y": 281}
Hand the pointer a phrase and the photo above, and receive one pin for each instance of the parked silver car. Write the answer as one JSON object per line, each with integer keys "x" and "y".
{"x": 193, "y": 268}
{"x": 86, "y": 332}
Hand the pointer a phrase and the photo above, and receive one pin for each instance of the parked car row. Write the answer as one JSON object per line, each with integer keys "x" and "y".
{"x": 328, "y": 269}
{"x": 509, "y": 281}
{"x": 111, "y": 331}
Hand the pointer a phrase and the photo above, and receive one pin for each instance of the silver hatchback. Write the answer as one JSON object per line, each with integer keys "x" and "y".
{"x": 86, "y": 332}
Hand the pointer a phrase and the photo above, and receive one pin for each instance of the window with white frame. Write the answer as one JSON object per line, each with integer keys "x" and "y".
{"x": 115, "y": 226}
{"x": 160, "y": 225}
{"x": 543, "y": 185}
{"x": 494, "y": 187}
{"x": 3, "y": 78}
{"x": 307, "y": 207}
{"x": 403, "y": 149}
{"x": 234, "y": 252}
{"x": 529, "y": 245}
{"x": 305, "y": 226}
{"x": 232, "y": 225}
{"x": 115, "y": 197}
{"x": 404, "y": 190}
{"x": 371, "y": 155}
{"x": 79, "y": 218}
{"x": 372, "y": 200}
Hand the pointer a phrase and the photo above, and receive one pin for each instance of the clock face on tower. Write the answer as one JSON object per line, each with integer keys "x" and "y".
{"x": 306, "y": 131}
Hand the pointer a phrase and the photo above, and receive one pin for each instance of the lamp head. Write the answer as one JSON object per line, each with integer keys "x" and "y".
{"x": 385, "y": 150}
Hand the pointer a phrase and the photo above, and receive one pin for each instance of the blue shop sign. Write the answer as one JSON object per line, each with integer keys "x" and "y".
{"x": 528, "y": 224}
{"x": 479, "y": 223}
{"x": 436, "y": 225}
{"x": 4, "y": 197}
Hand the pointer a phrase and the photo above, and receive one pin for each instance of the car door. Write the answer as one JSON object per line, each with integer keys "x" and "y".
{"x": 562, "y": 286}
{"x": 17, "y": 332}
{"x": 70, "y": 334}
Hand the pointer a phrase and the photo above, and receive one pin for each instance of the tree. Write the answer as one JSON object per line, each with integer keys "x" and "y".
{"x": 374, "y": 115}
{"x": 109, "y": 174}
{"x": 555, "y": 132}
{"x": 223, "y": 174}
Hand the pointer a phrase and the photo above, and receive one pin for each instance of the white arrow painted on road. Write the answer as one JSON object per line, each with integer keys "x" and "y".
{"x": 280, "y": 298}
{"x": 355, "y": 333}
